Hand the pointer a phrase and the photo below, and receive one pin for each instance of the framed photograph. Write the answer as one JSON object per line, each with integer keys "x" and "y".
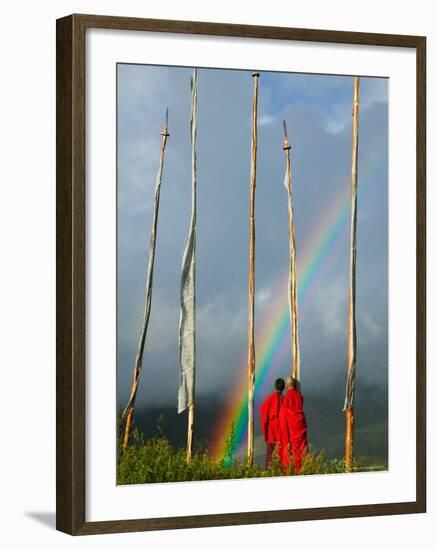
{"x": 241, "y": 323}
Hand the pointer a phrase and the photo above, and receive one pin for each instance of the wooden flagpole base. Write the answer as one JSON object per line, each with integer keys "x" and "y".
{"x": 190, "y": 431}
{"x": 350, "y": 426}
{"x": 128, "y": 427}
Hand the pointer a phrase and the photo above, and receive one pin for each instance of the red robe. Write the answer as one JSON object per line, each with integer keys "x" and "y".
{"x": 293, "y": 428}
{"x": 270, "y": 417}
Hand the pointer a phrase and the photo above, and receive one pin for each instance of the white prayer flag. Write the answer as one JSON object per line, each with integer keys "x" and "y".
{"x": 187, "y": 324}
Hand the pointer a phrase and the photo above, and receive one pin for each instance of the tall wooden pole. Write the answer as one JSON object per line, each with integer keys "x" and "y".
{"x": 352, "y": 335}
{"x": 292, "y": 278}
{"x": 251, "y": 312}
{"x": 129, "y": 410}
{"x": 190, "y": 434}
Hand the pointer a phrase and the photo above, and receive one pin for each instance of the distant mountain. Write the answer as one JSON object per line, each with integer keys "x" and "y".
{"x": 326, "y": 422}
{"x": 324, "y": 415}
{"x": 154, "y": 420}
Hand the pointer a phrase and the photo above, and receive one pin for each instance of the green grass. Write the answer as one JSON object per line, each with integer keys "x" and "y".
{"x": 157, "y": 461}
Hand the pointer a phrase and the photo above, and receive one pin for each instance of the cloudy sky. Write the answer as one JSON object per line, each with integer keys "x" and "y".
{"x": 318, "y": 113}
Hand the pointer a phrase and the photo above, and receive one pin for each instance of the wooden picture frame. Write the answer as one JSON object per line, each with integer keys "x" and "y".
{"x": 71, "y": 254}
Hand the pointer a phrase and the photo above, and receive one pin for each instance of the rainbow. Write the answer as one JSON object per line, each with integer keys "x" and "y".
{"x": 273, "y": 338}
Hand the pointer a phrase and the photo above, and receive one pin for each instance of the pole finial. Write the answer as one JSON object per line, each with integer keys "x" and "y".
{"x": 165, "y": 129}
{"x": 286, "y": 144}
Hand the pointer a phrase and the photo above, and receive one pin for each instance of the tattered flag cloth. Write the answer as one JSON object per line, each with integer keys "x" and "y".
{"x": 292, "y": 278}
{"x": 352, "y": 331}
{"x": 187, "y": 324}
{"x": 350, "y": 389}
{"x": 149, "y": 280}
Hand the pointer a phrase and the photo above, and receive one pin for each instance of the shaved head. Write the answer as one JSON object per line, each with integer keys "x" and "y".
{"x": 291, "y": 382}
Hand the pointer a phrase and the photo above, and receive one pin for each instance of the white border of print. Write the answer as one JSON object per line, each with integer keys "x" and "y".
{"x": 104, "y": 499}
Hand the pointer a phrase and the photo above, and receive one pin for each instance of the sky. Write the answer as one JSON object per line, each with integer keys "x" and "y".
{"x": 317, "y": 109}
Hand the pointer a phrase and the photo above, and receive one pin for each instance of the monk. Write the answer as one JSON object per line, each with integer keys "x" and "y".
{"x": 293, "y": 427}
{"x": 270, "y": 419}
